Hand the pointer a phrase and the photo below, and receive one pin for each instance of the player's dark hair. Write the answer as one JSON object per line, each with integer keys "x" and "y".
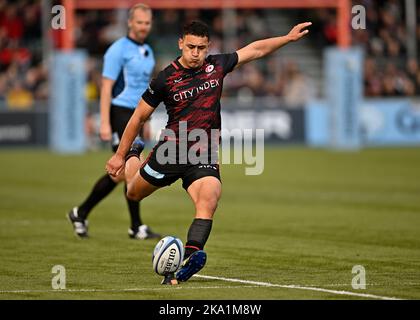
{"x": 196, "y": 28}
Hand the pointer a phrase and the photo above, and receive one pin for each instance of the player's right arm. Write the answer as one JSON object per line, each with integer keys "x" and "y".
{"x": 105, "y": 106}
{"x": 140, "y": 116}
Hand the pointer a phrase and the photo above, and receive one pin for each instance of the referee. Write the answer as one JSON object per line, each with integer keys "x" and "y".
{"x": 128, "y": 66}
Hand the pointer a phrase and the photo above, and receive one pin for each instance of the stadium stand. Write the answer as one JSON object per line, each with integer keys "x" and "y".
{"x": 22, "y": 75}
{"x": 388, "y": 70}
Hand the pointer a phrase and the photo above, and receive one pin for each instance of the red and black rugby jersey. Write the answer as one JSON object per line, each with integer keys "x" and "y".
{"x": 192, "y": 95}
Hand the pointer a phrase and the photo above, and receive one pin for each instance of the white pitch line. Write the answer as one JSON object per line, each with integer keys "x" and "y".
{"x": 268, "y": 284}
{"x": 178, "y": 287}
{"x": 251, "y": 284}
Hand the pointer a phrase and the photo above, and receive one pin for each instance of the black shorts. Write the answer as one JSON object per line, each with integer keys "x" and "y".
{"x": 119, "y": 117}
{"x": 161, "y": 175}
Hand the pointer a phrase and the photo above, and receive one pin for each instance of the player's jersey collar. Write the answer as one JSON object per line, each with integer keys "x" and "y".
{"x": 135, "y": 41}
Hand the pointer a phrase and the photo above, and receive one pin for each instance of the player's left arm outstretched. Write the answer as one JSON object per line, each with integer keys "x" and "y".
{"x": 261, "y": 48}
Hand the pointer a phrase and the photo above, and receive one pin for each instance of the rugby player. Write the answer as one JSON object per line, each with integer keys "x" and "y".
{"x": 190, "y": 87}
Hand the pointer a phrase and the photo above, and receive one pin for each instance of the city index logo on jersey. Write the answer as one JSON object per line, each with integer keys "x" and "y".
{"x": 196, "y": 90}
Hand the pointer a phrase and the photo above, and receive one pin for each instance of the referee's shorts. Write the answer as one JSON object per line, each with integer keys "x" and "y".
{"x": 119, "y": 117}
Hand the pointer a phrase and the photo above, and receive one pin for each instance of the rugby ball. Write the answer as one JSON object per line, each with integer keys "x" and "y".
{"x": 168, "y": 255}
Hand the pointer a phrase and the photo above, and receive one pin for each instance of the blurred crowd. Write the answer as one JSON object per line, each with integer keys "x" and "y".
{"x": 388, "y": 69}
{"x": 23, "y": 77}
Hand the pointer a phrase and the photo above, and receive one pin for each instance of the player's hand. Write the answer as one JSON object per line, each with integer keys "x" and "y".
{"x": 105, "y": 131}
{"x": 297, "y": 32}
{"x": 115, "y": 165}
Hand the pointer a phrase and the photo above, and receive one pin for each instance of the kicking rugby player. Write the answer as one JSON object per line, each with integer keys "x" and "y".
{"x": 190, "y": 87}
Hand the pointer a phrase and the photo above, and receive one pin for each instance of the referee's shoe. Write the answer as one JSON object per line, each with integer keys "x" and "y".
{"x": 80, "y": 225}
{"x": 191, "y": 265}
{"x": 142, "y": 233}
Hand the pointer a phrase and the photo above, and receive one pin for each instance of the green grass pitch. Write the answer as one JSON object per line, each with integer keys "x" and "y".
{"x": 306, "y": 221}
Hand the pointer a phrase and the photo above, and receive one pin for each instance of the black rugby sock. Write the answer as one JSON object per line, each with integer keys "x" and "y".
{"x": 134, "y": 209}
{"x": 197, "y": 235}
{"x": 101, "y": 189}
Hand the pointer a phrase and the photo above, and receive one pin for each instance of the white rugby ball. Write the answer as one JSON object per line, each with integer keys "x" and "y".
{"x": 168, "y": 255}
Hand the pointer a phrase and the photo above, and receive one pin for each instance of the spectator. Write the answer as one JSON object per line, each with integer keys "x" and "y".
{"x": 297, "y": 90}
{"x": 12, "y": 23}
{"x": 19, "y": 98}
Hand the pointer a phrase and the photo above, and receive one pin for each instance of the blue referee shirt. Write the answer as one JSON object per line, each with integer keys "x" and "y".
{"x": 130, "y": 64}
